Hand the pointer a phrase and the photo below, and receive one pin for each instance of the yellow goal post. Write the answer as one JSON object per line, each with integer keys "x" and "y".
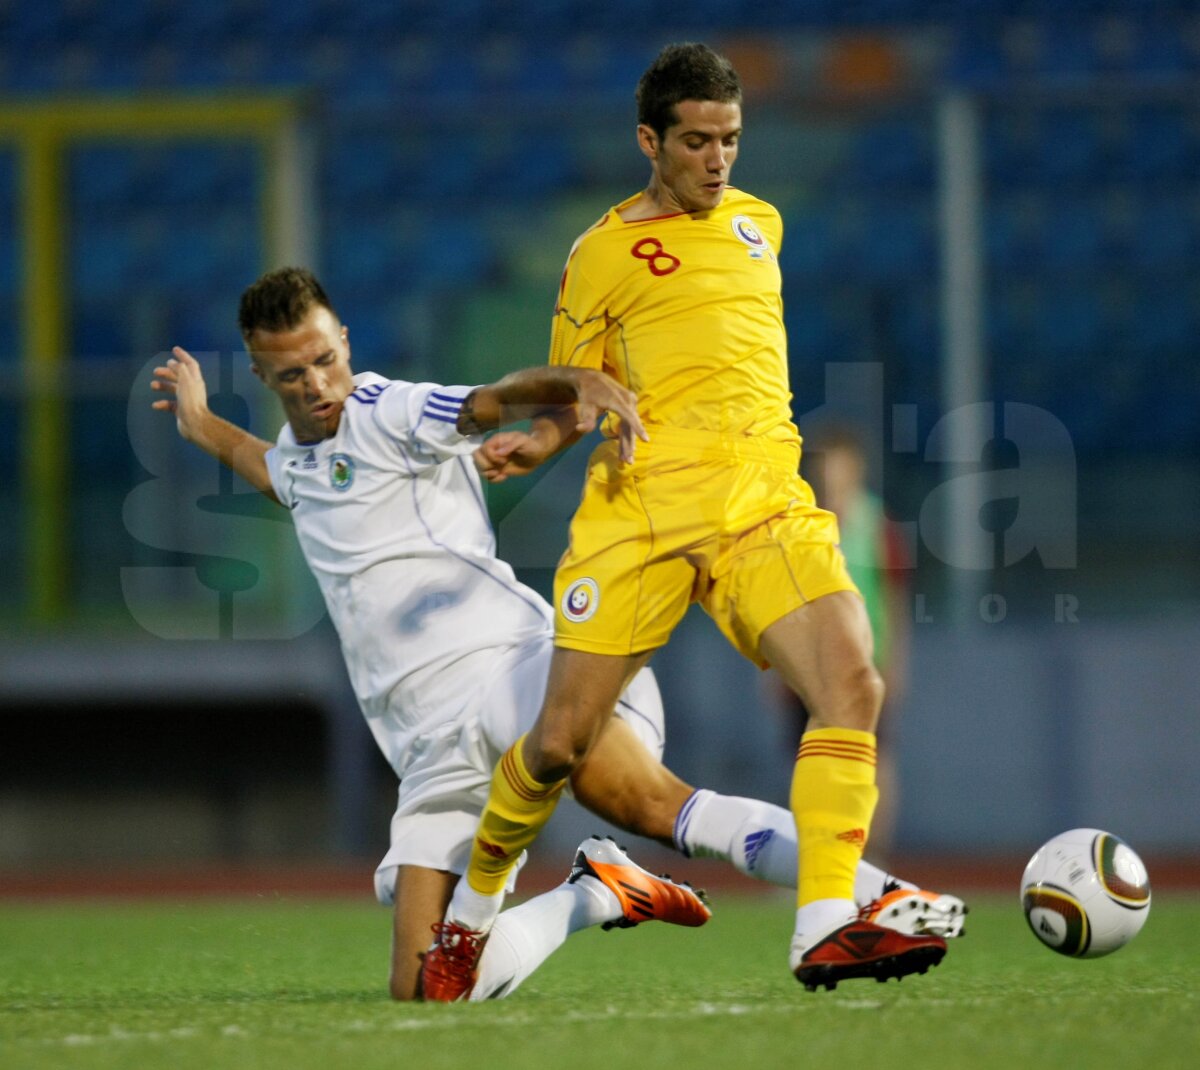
{"x": 40, "y": 133}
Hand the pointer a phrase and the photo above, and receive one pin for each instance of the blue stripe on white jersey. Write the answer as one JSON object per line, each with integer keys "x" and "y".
{"x": 443, "y": 407}
{"x": 369, "y": 394}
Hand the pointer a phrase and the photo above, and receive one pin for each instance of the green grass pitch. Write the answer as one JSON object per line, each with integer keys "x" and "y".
{"x": 300, "y": 984}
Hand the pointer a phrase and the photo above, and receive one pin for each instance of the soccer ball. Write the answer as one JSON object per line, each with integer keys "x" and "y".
{"x": 1085, "y": 893}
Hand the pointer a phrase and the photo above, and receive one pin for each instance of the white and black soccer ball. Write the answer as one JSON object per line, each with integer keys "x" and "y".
{"x": 1085, "y": 893}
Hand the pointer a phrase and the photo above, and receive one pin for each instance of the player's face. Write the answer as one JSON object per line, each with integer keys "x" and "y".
{"x": 309, "y": 368}
{"x": 693, "y": 158}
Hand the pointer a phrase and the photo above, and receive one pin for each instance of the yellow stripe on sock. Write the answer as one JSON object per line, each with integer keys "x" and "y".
{"x": 518, "y": 807}
{"x": 833, "y": 798}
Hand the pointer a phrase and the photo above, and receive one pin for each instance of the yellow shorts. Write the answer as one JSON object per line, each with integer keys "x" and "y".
{"x": 726, "y": 522}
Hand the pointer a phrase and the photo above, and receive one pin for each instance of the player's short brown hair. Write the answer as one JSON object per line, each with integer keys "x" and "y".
{"x": 684, "y": 72}
{"x": 279, "y": 300}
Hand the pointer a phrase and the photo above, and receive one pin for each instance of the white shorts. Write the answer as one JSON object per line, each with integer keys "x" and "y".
{"x": 446, "y": 783}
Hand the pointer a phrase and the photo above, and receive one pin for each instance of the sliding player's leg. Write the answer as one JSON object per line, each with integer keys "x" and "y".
{"x": 419, "y": 896}
{"x": 623, "y": 782}
{"x": 604, "y": 887}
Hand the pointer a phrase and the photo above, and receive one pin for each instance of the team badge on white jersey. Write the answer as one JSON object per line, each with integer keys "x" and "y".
{"x": 581, "y": 600}
{"x": 341, "y": 471}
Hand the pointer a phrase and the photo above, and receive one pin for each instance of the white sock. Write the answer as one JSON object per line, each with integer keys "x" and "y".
{"x": 759, "y": 839}
{"x": 472, "y": 910}
{"x": 525, "y": 936}
{"x": 814, "y": 919}
{"x": 870, "y": 881}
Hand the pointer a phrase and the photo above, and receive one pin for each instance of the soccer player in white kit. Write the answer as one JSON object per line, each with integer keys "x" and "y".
{"x": 448, "y": 653}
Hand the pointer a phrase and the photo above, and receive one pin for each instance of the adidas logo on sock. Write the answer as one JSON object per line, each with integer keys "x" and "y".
{"x": 753, "y": 845}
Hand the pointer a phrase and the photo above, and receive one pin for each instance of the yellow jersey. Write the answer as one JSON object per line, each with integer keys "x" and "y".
{"x": 685, "y": 310}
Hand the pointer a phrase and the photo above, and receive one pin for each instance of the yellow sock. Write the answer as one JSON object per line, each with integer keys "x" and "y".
{"x": 833, "y": 798}
{"x": 517, "y": 808}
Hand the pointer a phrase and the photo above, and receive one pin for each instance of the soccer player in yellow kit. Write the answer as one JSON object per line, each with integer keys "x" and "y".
{"x": 675, "y": 292}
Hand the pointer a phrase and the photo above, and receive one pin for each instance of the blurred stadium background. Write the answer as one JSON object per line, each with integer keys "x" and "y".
{"x": 987, "y": 201}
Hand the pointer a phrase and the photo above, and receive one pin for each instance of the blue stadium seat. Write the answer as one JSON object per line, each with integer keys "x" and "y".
{"x": 814, "y": 245}
{"x": 457, "y": 253}
{"x": 1165, "y": 232}
{"x": 30, "y": 73}
{"x": 126, "y": 28}
{"x": 1008, "y": 314}
{"x": 1068, "y": 53}
{"x": 1160, "y": 146}
{"x": 105, "y": 177}
{"x": 205, "y": 322}
{"x": 366, "y": 172}
{"x": 1072, "y": 235}
{"x": 545, "y": 22}
{"x": 455, "y": 19}
{"x": 1010, "y": 145}
{"x": 1069, "y": 148}
{"x": 1162, "y": 321}
{"x": 814, "y": 337}
{"x": 512, "y": 65}
{"x": 892, "y": 153}
{"x": 362, "y": 258}
{"x": 1012, "y": 229}
{"x": 449, "y": 166}
{"x": 537, "y": 164}
{"x": 1069, "y": 326}
{"x": 371, "y": 20}
{"x": 914, "y": 322}
{"x": 299, "y": 21}
{"x": 1160, "y": 51}
{"x": 204, "y": 174}
{"x": 625, "y": 18}
{"x": 198, "y": 28}
{"x": 1092, "y": 420}
{"x": 10, "y": 273}
{"x": 101, "y": 330}
{"x": 976, "y": 57}
{"x": 600, "y": 64}
{"x": 34, "y": 28}
{"x": 898, "y": 240}
{"x": 105, "y": 259}
{"x": 197, "y": 253}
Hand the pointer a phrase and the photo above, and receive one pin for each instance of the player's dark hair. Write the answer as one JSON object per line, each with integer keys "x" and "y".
{"x": 279, "y": 301}
{"x": 684, "y": 72}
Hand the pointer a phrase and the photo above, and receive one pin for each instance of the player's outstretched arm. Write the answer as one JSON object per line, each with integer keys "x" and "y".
{"x": 517, "y": 453}
{"x": 233, "y": 446}
{"x": 534, "y": 392}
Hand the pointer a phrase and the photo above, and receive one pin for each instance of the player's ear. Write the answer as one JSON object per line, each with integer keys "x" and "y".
{"x": 647, "y": 141}
{"x": 258, "y": 372}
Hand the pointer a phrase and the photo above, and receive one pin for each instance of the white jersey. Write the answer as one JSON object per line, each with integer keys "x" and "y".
{"x": 391, "y": 518}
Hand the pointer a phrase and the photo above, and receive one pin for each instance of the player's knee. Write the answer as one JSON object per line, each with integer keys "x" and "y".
{"x": 852, "y": 700}
{"x": 556, "y": 758}
{"x": 864, "y": 697}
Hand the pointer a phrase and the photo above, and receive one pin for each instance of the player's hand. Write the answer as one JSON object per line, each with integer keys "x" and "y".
{"x": 509, "y": 453}
{"x": 599, "y": 393}
{"x": 181, "y": 378}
